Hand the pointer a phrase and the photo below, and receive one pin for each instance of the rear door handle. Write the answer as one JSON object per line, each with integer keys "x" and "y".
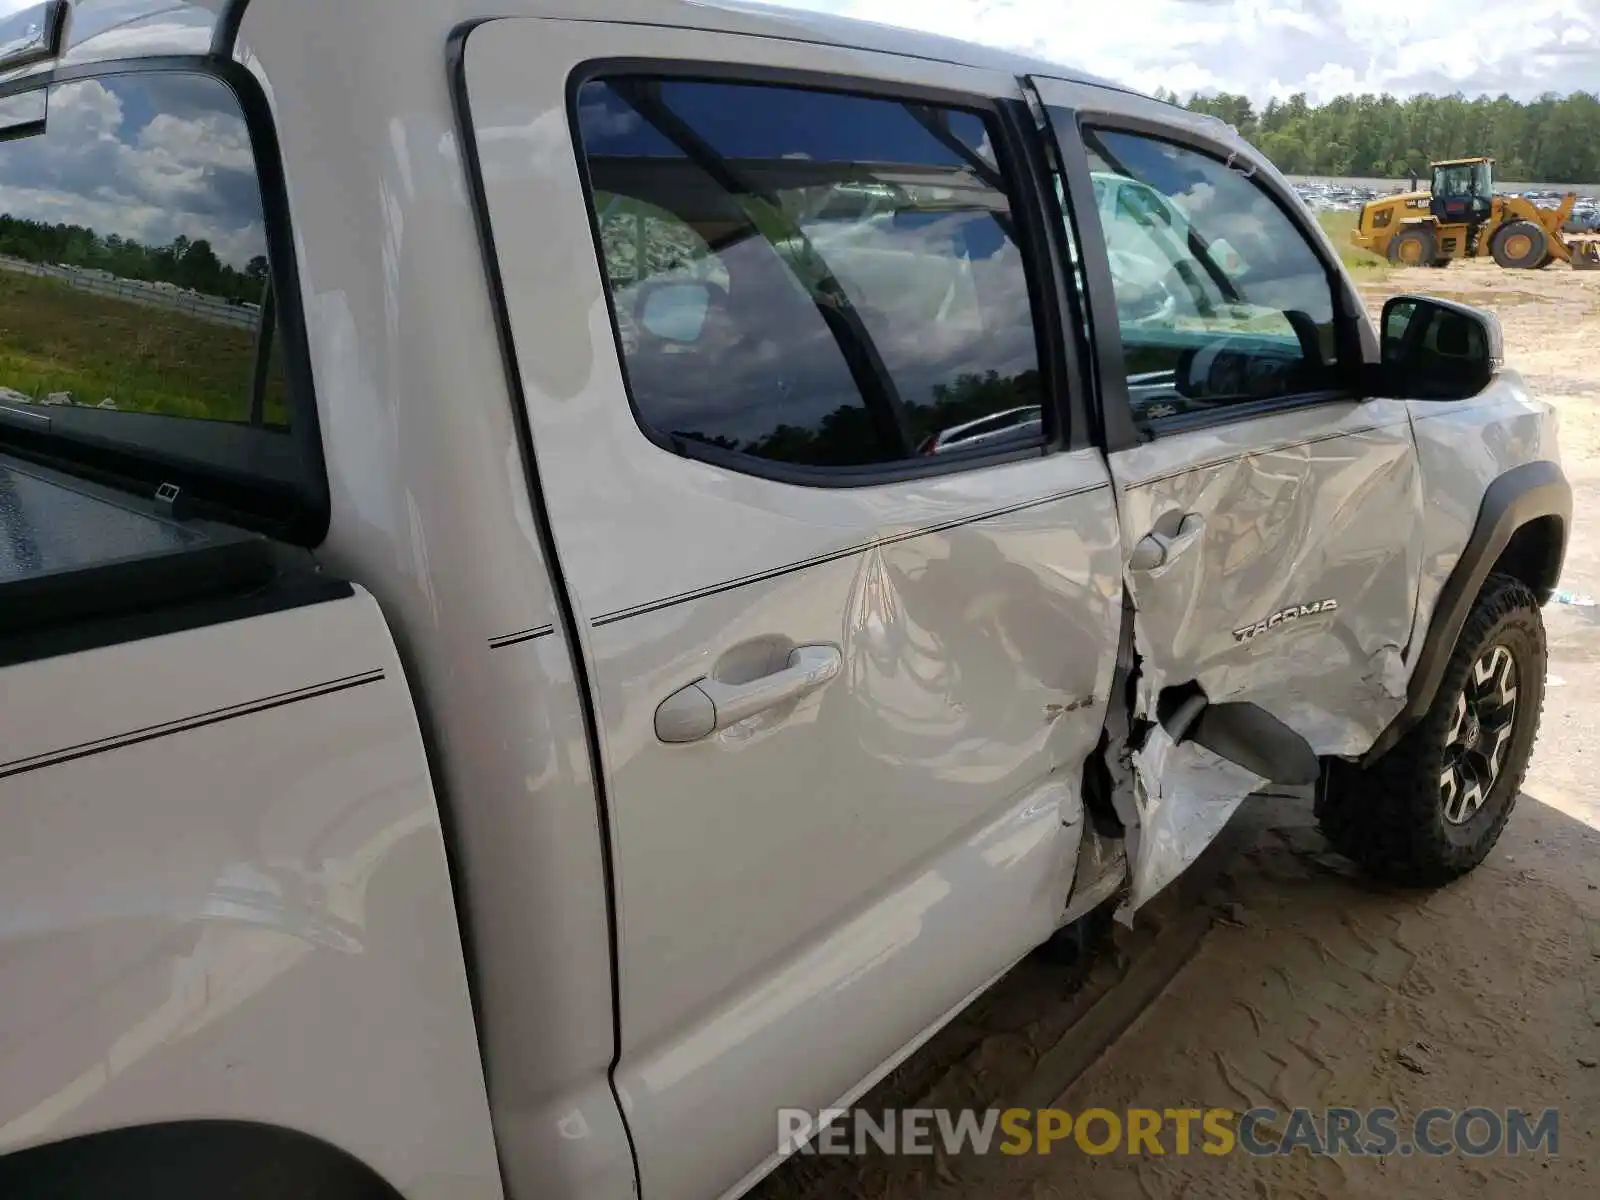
{"x": 707, "y": 705}
{"x": 1158, "y": 549}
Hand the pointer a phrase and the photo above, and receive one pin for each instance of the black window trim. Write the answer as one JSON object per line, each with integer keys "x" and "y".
{"x": 1057, "y": 372}
{"x": 1354, "y": 340}
{"x": 307, "y": 524}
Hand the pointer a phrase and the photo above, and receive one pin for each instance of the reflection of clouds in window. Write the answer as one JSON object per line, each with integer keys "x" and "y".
{"x": 1222, "y": 207}
{"x": 783, "y": 365}
{"x": 602, "y": 115}
{"x": 93, "y": 29}
{"x": 891, "y": 205}
{"x": 145, "y": 158}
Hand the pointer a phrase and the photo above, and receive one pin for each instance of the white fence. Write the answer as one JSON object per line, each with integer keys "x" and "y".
{"x": 204, "y": 308}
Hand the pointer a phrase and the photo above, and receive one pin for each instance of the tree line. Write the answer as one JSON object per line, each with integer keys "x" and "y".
{"x": 182, "y": 262}
{"x": 1552, "y": 139}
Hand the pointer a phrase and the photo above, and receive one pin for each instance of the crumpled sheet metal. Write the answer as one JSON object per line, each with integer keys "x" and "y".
{"x": 1185, "y": 795}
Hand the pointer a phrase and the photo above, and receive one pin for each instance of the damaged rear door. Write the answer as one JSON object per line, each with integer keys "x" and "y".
{"x": 1270, "y": 513}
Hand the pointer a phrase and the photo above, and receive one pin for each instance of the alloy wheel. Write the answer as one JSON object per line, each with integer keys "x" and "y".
{"x": 1480, "y": 734}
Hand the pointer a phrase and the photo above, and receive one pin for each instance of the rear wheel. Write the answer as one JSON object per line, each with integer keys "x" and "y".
{"x": 1433, "y": 807}
{"x": 1414, "y": 247}
{"x": 1521, "y": 245}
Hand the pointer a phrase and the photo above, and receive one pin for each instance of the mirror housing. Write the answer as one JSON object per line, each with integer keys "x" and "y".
{"x": 673, "y": 310}
{"x": 1433, "y": 349}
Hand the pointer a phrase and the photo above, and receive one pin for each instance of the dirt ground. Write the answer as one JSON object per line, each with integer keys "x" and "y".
{"x": 1307, "y": 986}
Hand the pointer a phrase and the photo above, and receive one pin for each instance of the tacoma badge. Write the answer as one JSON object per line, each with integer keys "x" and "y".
{"x": 1282, "y": 615}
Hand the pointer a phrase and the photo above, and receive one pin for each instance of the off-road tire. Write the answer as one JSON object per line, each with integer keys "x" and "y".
{"x": 1533, "y": 251}
{"x": 1440, "y": 264}
{"x": 1390, "y": 817}
{"x": 1420, "y": 235}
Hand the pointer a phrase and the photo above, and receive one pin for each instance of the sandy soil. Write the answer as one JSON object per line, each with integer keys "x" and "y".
{"x": 1312, "y": 987}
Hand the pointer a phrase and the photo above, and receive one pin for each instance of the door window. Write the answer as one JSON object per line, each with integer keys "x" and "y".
{"x": 808, "y": 278}
{"x": 1220, "y": 299}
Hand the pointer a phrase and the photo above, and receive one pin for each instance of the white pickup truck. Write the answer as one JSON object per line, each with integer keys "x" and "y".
{"x": 508, "y": 677}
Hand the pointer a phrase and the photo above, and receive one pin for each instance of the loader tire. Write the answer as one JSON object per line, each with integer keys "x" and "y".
{"x": 1521, "y": 245}
{"x": 1414, "y": 247}
{"x": 1433, "y": 807}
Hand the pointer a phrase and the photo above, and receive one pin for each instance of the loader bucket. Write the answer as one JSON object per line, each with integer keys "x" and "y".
{"x": 1585, "y": 255}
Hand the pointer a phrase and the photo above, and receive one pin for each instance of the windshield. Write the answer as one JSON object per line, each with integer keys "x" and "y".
{"x": 137, "y": 318}
{"x": 1463, "y": 179}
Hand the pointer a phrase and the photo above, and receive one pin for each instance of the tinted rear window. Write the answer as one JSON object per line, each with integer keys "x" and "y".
{"x": 136, "y": 309}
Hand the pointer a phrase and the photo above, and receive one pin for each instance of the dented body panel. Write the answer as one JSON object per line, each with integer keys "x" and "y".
{"x": 1462, "y": 448}
{"x": 1292, "y": 585}
{"x": 1299, "y": 589}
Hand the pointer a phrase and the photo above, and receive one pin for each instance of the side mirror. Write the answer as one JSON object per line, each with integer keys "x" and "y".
{"x": 1436, "y": 349}
{"x": 673, "y": 310}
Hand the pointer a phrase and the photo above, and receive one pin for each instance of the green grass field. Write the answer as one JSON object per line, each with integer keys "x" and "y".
{"x": 56, "y": 338}
{"x": 1337, "y": 225}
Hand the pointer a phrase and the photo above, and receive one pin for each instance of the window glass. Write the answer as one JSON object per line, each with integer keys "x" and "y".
{"x": 133, "y": 267}
{"x": 1220, "y": 300}
{"x": 810, "y": 278}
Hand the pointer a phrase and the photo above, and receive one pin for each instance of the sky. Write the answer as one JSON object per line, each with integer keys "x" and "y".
{"x": 1263, "y": 48}
{"x": 144, "y": 157}
{"x": 1267, "y": 48}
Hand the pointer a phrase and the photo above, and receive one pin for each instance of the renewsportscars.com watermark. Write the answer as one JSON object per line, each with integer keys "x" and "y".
{"x": 1359, "y": 1132}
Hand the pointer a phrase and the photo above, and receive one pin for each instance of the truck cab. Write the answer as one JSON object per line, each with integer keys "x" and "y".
{"x": 1462, "y": 191}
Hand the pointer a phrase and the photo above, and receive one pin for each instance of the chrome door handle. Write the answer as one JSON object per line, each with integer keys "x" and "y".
{"x": 707, "y": 705}
{"x": 1158, "y": 549}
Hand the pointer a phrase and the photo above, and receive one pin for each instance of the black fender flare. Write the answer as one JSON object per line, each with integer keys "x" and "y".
{"x": 1526, "y": 493}
{"x": 190, "y": 1160}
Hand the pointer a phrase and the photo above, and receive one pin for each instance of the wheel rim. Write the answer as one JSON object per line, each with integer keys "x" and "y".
{"x": 1411, "y": 250}
{"x": 1480, "y": 735}
{"x": 1518, "y": 245}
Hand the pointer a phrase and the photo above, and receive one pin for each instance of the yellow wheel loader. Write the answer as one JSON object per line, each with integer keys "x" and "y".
{"x": 1461, "y": 217}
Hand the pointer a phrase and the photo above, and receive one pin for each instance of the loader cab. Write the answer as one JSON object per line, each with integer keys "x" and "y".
{"x": 1463, "y": 191}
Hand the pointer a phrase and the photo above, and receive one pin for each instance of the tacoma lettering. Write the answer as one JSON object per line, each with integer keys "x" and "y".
{"x": 1284, "y": 614}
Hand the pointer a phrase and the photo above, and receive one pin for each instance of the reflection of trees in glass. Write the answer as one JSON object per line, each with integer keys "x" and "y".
{"x": 183, "y": 263}
{"x": 848, "y": 436}
{"x": 970, "y": 397}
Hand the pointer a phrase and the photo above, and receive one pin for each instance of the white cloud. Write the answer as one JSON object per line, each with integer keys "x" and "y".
{"x": 147, "y": 176}
{"x": 1270, "y": 48}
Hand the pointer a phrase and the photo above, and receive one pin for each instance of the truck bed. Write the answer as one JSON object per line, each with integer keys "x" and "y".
{"x": 75, "y": 554}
